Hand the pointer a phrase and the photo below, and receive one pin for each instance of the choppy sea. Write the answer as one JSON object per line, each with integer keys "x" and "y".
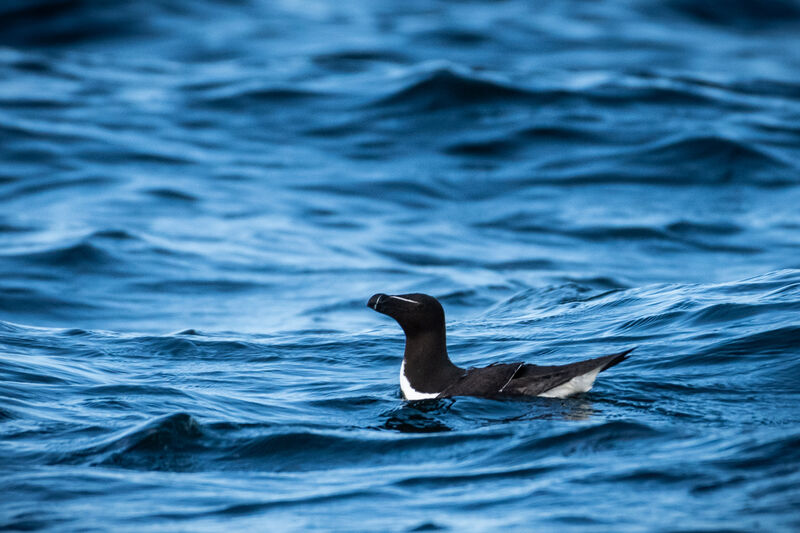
{"x": 198, "y": 198}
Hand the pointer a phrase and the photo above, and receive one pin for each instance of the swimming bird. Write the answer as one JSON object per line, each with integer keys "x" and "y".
{"x": 427, "y": 372}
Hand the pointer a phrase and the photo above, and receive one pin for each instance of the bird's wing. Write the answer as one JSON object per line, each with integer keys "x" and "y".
{"x": 488, "y": 381}
{"x": 533, "y": 380}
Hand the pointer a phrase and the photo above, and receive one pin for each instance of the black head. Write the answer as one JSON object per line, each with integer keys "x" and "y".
{"x": 416, "y": 313}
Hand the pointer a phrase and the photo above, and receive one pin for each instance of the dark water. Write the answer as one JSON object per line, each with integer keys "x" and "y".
{"x": 197, "y": 199}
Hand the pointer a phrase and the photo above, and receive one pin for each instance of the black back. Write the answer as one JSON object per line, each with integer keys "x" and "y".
{"x": 521, "y": 379}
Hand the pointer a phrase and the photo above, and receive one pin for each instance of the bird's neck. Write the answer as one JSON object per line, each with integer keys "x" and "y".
{"x": 426, "y": 364}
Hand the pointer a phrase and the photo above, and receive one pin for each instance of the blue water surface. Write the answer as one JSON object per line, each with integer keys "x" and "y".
{"x": 197, "y": 198}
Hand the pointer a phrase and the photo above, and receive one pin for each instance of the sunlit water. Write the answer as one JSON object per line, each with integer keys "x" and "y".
{"x": 197, "y": 199}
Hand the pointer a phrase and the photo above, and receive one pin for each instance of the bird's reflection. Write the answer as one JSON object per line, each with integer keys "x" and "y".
{"x": 431, "y": 416}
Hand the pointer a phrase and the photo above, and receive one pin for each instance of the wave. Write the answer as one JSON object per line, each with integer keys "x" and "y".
{"x": 14, "y": 228}
{"x": 559, "y": 133}
{"x": 514, "y": 143}
{"x": 168, "y": 193}
{"x": 358, "y": 60}
{"x": 746, "y": 454}
{"x": 777, "y": 341}
{"x": 609, "y": 435}
{"x": 473, "y": 475}
{"x": 711, "y": 152}
{"x": 178, "y": 442}
{"x": 419, "y": 258}
{"x": 65, "y": 185}
{"x": 199, "y": 286}
{"x": 741, "y": 14}
{"x": 196, "y": 347}
{"x": 683, "y": 160}
{"x": 246, "y": 98}
{"x": 17, "y": 372}
{"x": 449, "y": 88}
{"x": 681, "y": 234}
{"x": 166, "y": 443}
{"x": 282, "y": 502}
{"x": 114, "y": 234}
{"x": 621, "y": 95}
{"x": 445, "y": 88}
{"x": 698, "y": 228}
{"x": 730, "y": 311}
{"x": 409, "y": 193}
{"x": 66, "y": 22}
{"x": 489, "y": 147}
{"x": 102, "y": 252}
{"x": 81, "y": 255}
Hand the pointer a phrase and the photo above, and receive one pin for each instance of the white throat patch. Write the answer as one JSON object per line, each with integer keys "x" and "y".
{"x": 408, "y": 391}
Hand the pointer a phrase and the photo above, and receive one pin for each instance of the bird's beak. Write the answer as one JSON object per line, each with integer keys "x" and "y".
{"x": 375, "y": 301}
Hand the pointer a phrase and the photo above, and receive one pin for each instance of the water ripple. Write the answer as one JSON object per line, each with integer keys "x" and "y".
{"x": 196, "y": 200}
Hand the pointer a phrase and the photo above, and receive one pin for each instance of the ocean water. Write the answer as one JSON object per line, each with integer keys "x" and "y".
{"x": 198, "y": 198}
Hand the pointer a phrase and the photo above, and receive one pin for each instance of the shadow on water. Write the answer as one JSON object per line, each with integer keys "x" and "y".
{"x": 454, "y": 414}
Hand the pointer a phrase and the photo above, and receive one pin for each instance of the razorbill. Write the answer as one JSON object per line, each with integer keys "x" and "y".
{"x": 427, "y": 372}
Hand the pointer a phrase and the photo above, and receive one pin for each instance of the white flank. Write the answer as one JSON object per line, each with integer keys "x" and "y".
{"x": 582, "y": 383}
{"x": 403, "y": 299}
{"x": 408, "y": 391}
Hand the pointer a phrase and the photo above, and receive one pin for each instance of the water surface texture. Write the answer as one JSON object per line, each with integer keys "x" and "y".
{"x": 198, "y": 198}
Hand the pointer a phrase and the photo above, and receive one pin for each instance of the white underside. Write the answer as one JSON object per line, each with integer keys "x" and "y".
{"x": 578, "y": 384}
{"x": 408, "y": 391}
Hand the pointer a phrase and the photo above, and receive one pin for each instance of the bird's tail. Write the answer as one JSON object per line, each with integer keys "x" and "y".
{"x": 614, "y": 359}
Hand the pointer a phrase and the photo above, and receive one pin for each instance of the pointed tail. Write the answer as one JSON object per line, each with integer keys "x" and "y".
{"x": 614, "y": 359}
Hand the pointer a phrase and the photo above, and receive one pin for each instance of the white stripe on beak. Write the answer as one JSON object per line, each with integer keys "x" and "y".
{"x": 404, "y": 299}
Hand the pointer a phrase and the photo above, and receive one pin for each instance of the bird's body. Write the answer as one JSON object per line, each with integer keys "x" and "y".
{"x": 427, "y": 372}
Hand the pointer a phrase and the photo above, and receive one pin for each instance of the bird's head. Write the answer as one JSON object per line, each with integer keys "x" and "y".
{"x": 416, "y": 313}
